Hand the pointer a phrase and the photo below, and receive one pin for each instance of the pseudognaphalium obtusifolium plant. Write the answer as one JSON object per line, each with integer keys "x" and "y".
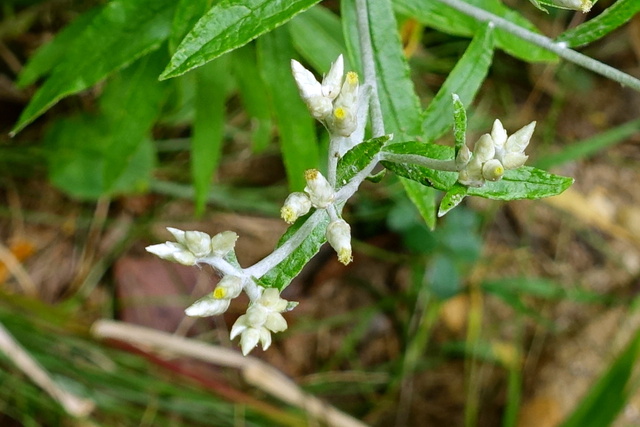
{"x": 341, "y": 105}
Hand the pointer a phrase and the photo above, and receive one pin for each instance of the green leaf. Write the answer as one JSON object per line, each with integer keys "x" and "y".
{"x": 229, "y": 25}
{"x": 297, "y": 129}
{"x": 424, "y": 198}
{"x": 452, "y": 198}
{"x": 110, "y": 154}
{"x": 348, "y": 14}
{"x": 614, "y": 16}
{"x": 317, "y": 35}
{"x": 131, "y": 103}
{"x": 254, "y": 96}
{"x": 212, "y": 83}
{"x": 590, "y": 146}
{"x": 281, "y": 275}
{"x": 440, "y": 180}
{"x": 523, "y": 183}
{"x": 398, "y": 99}
{"x": 610, "y": 394}
{"x": 443, "y": 18}
{"x": 358, "y": 158}
{"x": 459, "y": 124}
{"x": 121, "y": 32}
{"x": 188, "y": 12}
{"x": 51, "y": 54}
{"x": 464, "y": 80}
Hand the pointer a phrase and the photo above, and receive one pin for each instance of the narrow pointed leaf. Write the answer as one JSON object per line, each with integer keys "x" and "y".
{"x": 440, "y": 180}
{"x": 464, "y": 80}
{"x": 229, "y": 25}
{"x": 317, "y": 36}
{"x": 295, "y": 125}
{"x": 119, "y": 34}
{"x": 452, "y": 198}
{"x": 254, "y": 96}
{"x": 523, "y": 183}
{"x": 208, "y": 127}
{"x": 188, "y": 12}
{"x": 614, "y": 16}
{"x": 50, "y": 55}
{"x": 459, "y": 123}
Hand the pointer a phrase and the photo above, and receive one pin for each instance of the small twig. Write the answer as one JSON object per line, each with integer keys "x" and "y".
{"x": 72, "y": 404}
{"x": 254, "y": 370}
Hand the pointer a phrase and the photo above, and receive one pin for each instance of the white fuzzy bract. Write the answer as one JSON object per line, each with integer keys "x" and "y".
{"x": 339, "y": 237}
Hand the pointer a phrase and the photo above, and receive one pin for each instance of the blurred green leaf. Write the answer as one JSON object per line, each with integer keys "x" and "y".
{"x": 317, "y": 35}
{"x": 590, "y": 146}
{"x": 464, "y": 80}
{"x": 120, "y": 32}
{"x": 443, "y": 277}
{"x": 212, "y": 84}
{"x": 357, "y": 159}
{"x": 227, "y": 26}
{"x": 350, "y": 30}
{"x": 448, "y": 20}
{"x": 254, "y": 96}
{"x": 297, "y": 129}
{"x": 48, "y": 56}
{"x": 110, "y": 154}
{"x": 610, "y": 394}
{"x": 281, "y": 275}
{"x": 614, "y": 16}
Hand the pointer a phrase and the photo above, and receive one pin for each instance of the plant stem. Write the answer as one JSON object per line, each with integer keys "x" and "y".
{"x": 369, "y": 68}
{"x": 558, "y": 48}
{"x": 428, "y": 162}
{"x": 277, "y": 256}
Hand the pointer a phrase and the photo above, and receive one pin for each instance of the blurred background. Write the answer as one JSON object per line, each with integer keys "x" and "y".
{"x": 514, "y": 314}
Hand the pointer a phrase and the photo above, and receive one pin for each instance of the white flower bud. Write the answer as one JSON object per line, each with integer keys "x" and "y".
{"x": 239, "y": 327}
{"x": 318, "y": 188}
{"x": 311, "y": 92}
{"x": 492, "y": 170}
{"x": 339, "y": 237}
{"x": 223, "y": 243}
{"x": 344, "y": 118}
{"x": 275, "y": 322}
{"x": 463, "y": 157}
{"x": 333, "y": 80}
{"x": 174, "y": 252}
{"x": 271, "y": 299}
{"x": 517, "y": 142}
{"x": 179, "y": 235}
{"x": 514, "y": 160}
{"x": 229, "y": 287}
{"x": 249, "y": 340}
{"x": 484, "y": 149}
{"x": 198, "y": 243}
{"x": 256, "y": 315}
{"x": 295, "y": 206}
{"x": 498, "y": 134}
{"x": 208, "y": 306}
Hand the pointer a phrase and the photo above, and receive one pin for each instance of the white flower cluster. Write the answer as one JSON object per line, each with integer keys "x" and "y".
{"x": 264, "y": 313}
{"x": 192, "y": 246}
{"x": 493, "y": 154}
{"x": 333, "y": 102}
{"x": 319, "y": 194}
{"x": 262, "y": 317}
